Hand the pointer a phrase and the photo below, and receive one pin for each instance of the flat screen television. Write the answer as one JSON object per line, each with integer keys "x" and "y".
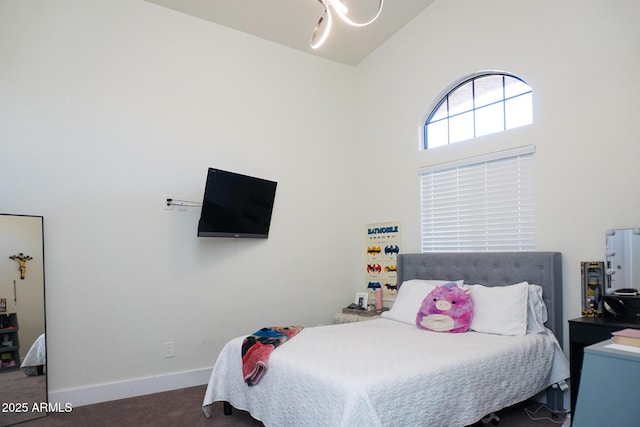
{"x": 236, "y": 205}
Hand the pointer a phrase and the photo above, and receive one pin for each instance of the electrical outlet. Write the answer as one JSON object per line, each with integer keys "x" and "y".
{"x": 166, "y": 202}
{"x": 168, "y": 349}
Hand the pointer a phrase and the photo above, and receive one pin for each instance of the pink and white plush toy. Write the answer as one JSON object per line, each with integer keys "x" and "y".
{"x": 447, "y": 308}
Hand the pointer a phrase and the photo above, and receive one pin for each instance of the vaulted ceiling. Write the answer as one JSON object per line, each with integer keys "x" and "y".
{"x": 291, "y": 22}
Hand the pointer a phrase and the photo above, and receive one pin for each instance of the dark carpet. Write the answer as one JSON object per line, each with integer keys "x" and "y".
{"x": 182, "y": 408}
{"x": 18, "y": 388}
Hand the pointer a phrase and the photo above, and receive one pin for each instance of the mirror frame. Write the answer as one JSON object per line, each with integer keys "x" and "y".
{"x": 24, "y": 413}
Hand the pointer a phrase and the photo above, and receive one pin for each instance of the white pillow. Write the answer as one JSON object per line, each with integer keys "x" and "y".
{"x": 537, "y": 311}
{"x": 500, "y": 309}
{"x": 409, "y": 299}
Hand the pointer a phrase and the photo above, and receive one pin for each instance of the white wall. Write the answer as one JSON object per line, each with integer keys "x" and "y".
{"x": 581, "y": 59}
{"x": 105, "y": 106}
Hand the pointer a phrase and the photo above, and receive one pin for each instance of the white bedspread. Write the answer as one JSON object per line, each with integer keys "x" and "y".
{"x": 37, "y": 354}
{"x": 386, "y": 373}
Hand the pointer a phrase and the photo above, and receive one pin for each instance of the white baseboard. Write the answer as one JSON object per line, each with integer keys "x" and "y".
{"x": 130, "y": 388}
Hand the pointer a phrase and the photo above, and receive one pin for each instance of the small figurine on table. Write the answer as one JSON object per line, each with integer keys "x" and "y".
{"x": 592, "y": 312}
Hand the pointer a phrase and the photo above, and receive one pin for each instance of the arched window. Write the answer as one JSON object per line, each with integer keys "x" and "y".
{"x": 481, "y": 104}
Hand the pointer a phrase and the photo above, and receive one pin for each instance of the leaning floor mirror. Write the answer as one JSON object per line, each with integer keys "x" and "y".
{"x": 23, "y": 366}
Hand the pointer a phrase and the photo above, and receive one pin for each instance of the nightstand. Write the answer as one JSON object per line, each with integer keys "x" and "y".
{"x": 609, "y": 391}
{"x": 583, "y": 332}
{"x": 354, "y": 315}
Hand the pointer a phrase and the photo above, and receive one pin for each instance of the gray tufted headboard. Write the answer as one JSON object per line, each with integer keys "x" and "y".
{"x": 493, "y": 269}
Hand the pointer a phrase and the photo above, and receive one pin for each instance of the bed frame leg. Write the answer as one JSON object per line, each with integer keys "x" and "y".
{"x": 227, "y": 408}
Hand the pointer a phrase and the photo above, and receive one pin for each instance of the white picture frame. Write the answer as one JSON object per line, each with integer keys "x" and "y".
{"x": 362, "y": 300}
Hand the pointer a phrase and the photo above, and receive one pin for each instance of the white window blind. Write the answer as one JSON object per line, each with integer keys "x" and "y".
{"x": 483, "y": 203}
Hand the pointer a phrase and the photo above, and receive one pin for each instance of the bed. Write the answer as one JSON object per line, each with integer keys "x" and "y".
{"x": 36, "y": 358}
{"x": 388, "y": 372}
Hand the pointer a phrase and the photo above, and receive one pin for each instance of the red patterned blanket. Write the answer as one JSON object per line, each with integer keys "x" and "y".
{"x": 257, "y": 348}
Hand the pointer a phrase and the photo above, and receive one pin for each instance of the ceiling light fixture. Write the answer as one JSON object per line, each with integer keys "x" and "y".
{"x": 323, "y": 27}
